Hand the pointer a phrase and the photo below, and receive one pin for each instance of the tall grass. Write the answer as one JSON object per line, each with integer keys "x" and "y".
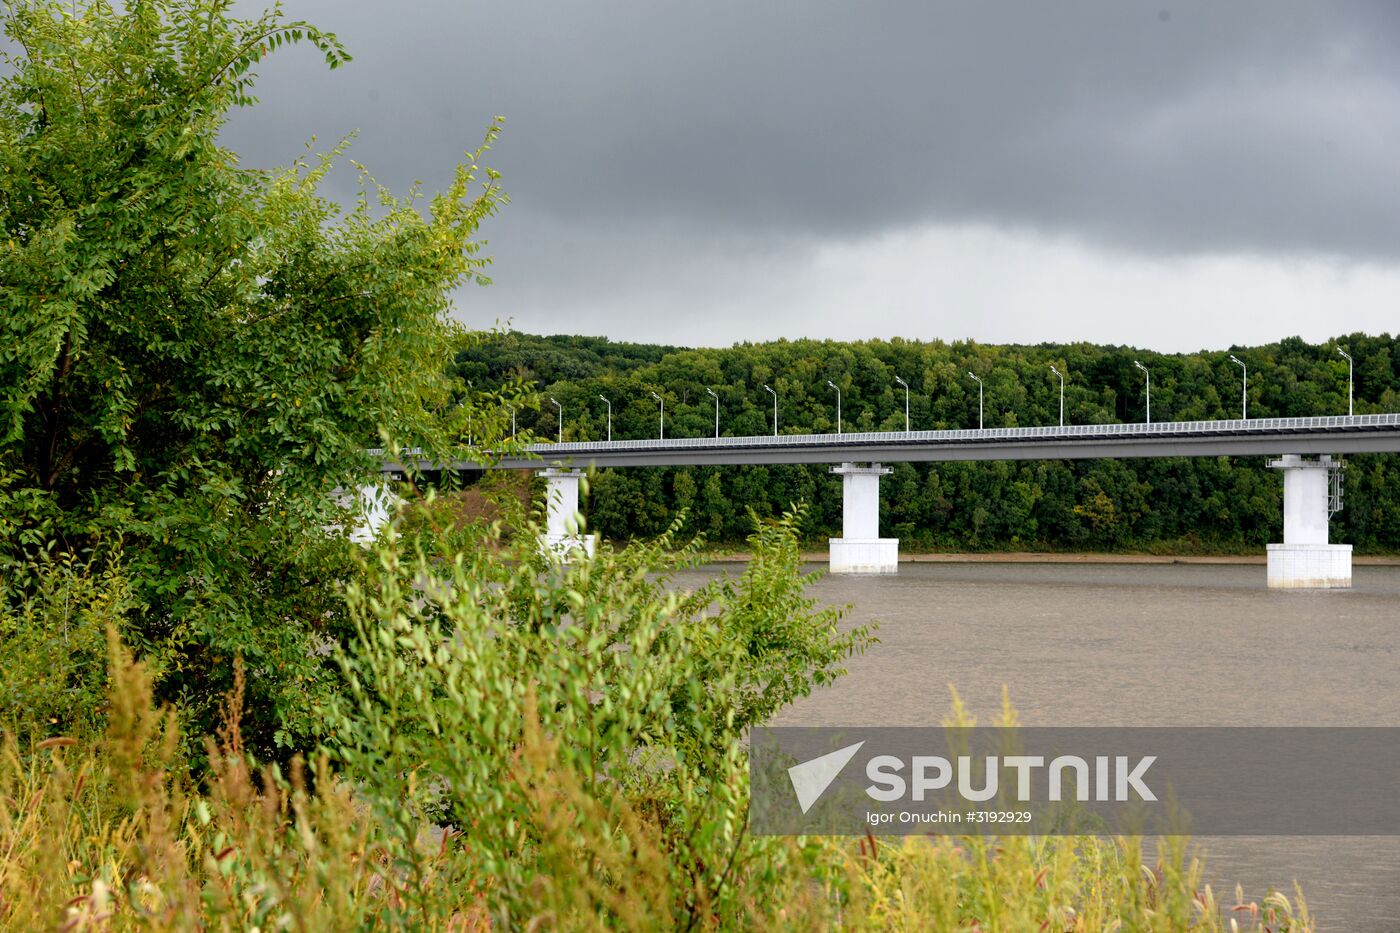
{"x": 529, "y": 745}
{"x": 112, "y": 836}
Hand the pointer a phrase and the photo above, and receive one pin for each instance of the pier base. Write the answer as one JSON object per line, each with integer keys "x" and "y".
{"x": 860, "y": 549}
{"x": 566, "y": 546}
{"x": 1305, "y": 559}
{"x": 868, "y": 555}
{"x": 1309, "y": 566}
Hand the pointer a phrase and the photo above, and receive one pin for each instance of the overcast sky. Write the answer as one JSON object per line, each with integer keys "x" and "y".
{"x": 1170, "y": 175}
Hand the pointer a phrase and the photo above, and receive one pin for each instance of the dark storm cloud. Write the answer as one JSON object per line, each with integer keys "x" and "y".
{"x": 1176, "y": 175}
{"x": 1256, "y": 126}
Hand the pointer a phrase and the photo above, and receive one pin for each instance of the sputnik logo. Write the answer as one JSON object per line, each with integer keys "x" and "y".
{"x": 811, "y": 778}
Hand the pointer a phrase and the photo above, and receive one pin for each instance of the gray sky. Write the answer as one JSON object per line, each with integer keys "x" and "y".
{"x": 1173, "y": 175}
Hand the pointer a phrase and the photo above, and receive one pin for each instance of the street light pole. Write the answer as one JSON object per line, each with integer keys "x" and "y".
{"x": 769, "y": 389}
{"x": 838, "y": 404}
{"x": 470, "y": 423}
{"x": 906, "y": 402}
{"x": 663, "y": 414}
{"x": 1350, "y": 383}
{"x": 979, "y": 399}
{"x": 1244, "y": 389}
{"x": 561, "y": 418}
{"x": 1149, "y": 389}
{"x": 711, "y": 393}
{"x": 1062, "y": 393}
{"x": 609, "y": 404}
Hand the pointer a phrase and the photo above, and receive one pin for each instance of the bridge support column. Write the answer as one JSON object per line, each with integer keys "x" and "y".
{"x": 860, "y": 549}
{"x": 562, "y": 519}
{"x": 374, "y": 505}
{"x": 1305, "y": 559}
{"x": 371, "y": 508}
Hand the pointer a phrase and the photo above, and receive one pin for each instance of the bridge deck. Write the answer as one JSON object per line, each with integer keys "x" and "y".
{"x": 1255, "y": 437}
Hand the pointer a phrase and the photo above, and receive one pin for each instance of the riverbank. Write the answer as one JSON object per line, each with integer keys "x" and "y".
{"x": 1058, "y": 557}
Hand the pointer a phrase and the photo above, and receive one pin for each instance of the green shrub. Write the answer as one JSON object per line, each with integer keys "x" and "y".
{"x": 537, "y": 746}
{"x": 53, "y": 650}
{"x": 503, "y": 689}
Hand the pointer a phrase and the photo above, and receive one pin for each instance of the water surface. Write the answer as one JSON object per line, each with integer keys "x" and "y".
{"x": 1140, "y": 645}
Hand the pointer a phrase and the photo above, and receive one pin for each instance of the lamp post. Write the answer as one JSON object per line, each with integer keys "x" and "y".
{"x": 769, "y": 389}
{"x": 663, "y": 414}
{"x": 561, "y": 418}
{"x": 906, "y": 402}
{"x": 609, "y": 404}
{"x": 838, "y": 404}
{"x": 1062, "y": 393}
{"x": 1149, "y": 389}
{"x": 1349, "y": 379}
{"x": 1244, "y": 390}
{"x": 512, "y": 420}
{"x": 711, "y": 393}
{"x": 979, "y": 399}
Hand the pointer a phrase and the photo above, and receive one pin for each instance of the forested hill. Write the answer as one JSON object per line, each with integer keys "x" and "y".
{"x": 1205, "y": 503}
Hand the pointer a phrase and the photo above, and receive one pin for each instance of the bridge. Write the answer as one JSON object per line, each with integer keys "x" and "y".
{"x": 1312, "y": 487}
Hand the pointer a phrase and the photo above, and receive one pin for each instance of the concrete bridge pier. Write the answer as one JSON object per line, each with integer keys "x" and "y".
{"x": 860, "y": 549}
{"x": 1311, "y": 493}
{"x": 374, "y": 505}
{"x": 562, "y": 519}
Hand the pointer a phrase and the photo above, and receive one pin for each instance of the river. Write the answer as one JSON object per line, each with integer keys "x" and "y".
{"x": 1141, "y": 645}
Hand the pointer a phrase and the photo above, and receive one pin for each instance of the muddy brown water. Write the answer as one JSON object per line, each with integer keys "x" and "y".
{"x": 1140, "y": 645}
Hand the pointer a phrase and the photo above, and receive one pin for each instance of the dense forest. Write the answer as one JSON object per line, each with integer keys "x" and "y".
{"x": 1200, "y": 504}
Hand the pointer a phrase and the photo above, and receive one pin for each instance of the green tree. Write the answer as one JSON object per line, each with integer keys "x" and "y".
{"x": 194, "y": 355}
{"x": 1200, "y": 503}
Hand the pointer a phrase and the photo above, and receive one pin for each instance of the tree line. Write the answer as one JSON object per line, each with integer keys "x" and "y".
{"x": 1215, "y": 504}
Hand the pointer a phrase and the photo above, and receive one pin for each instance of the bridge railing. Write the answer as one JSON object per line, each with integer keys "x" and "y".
{"x": 974, "y": 435}
{"x": 1046, "y": 434}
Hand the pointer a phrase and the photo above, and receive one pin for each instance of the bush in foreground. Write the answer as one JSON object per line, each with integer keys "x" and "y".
{"x": 531, "y": 745}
